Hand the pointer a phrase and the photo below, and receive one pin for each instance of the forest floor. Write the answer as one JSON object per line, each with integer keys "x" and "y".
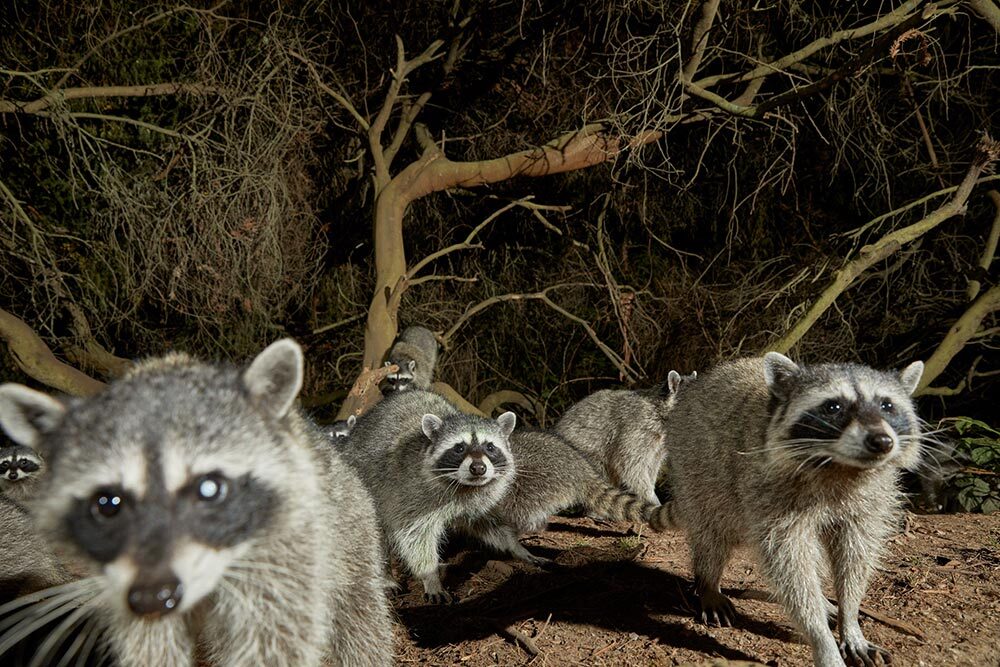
{"x": 616, "y": 598}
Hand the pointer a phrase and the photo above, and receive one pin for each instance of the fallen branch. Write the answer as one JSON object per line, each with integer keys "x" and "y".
{"x": 34, "y": 357}
{"x": 518, "y": 638}
{"x": 95, "y": 92}
{"x": 446, "y": 390}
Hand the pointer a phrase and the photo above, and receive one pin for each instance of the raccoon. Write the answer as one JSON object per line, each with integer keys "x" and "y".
{"x": 428, "y": 465}
{"x": 801, "y": 463}
{"x": 553, "y": 475}
{"x": 415, "y": 352}
{"x": 28, "y": 563}
{"x": 623, "y": 430}
{"x": 339, "y": 430}
{"x": 20, "y": 470}
{"x": 216, "y": 524}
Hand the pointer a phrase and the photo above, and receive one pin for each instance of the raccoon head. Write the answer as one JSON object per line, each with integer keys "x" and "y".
{"x": 18, "y": 464}
{"x": 472, "y": 451}
{"x": 401, "y": 380}
{"x": 674, "y": 383}
{"x": 339, "y": 430}
{"x": 845, "y": 414}
{"x": 161, "y": 484}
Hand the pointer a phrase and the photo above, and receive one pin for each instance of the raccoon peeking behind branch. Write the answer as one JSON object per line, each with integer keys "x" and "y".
{"x": 428, "y": 465}
{"x": 623, "y": 430}
{"x": 200, "y": 549}
{"x": 415, "y": 353}
{"x": 552, "y": 475}
{"x": 802, "y": 463}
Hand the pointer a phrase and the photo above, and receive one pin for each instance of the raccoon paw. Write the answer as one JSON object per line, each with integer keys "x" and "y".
{"x": 864, "y": 654}
{"x": 717, "y": 609}
{"x": 540, "y": 561}
{"x": 439, "y": 597}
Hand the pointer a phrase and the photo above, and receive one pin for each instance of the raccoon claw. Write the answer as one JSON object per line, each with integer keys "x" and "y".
{"x": 865, "y": 655}
{"x": 540, "y": 561}
{"x": 717, "y": 610}
{"x": 442, "y": 597}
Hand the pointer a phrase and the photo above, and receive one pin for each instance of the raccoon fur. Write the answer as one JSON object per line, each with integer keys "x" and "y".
{"x": 623, "y": 431}
{"x": 217, "y": 526}
{"x": 340, "y": 430}
{"x": 802, "y": 464}
{"x": 20, "y": 470}
{"x": 415, "y": 353}
{"x": 553, "y": 475}
{"x": 28, "y": 562}
{"x": 428, "y": 465}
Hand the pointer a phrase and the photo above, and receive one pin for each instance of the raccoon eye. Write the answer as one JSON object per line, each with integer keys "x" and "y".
{"x": 105, "y": 505}
{"x": 4, "y": 466}
{"x": 832, "y": 407}
{"x": 460, "y": 447}
{"x": 23, "y": 462}
{"x": 490, "y": 448}
{"x": 212, "y": 488}
{"x": 887, "y": 405}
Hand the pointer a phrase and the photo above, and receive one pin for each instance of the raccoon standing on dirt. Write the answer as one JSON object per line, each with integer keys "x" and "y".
{"x": 553, "y": 475}
{"x": 427, "y": 466}
{"x": 218, "y": 526}
{"x": 801, "y": 463}
{"x": 623, "y": 430}
{"x": 415, "y": 353}
{"x": 21, "y": 468}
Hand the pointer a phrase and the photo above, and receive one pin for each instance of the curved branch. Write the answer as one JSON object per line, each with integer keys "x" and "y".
{"x": 960, "y": 333}
{"x": 990, "y": 250}
{"x": 34, "y": 357}
{"x": 94, "y": 92}
{"x": 446, "y": 390}
{"x": 498, "y": 398}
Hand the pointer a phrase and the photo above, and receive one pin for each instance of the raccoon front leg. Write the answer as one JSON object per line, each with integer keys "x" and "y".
{"x": 790, "y": 557}
{"x": 504, "y": 539}
{"x": 854, "y": 548}
{"x": 710, "y": 551}
{"x": 417, "y": 547}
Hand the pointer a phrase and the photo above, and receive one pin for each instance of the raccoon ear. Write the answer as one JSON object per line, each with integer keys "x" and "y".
{"x": 694, "y": 375}
{"x": 909, "y": 377}
{"x": 507, "y": 421}
{"x": 351, "y": 421}
{"x": 274, "y": 378}
{"x": 26, "y": 415}
{"x": 778, "y": 372}
{"x": 673, "y": 381}
{"x": 412, "y": 365}
{"x": 430, "y": 424}
{"x": 388, "y": 363}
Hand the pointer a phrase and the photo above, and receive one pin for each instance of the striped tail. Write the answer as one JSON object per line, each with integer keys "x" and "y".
{"x": 604, "y": 501}
{"x": 663, "y": 517}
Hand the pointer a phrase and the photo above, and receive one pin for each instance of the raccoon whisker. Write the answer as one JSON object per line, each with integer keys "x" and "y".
{"x": 37, "y": 607}
{"x": 51, "y": 591}
{"x": 58, "y": 635}
{"x": 88, "y": 633}
{"x": 29, "y": 622}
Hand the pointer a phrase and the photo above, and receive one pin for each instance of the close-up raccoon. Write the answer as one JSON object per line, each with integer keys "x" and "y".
{"x": 800, "y": 462}
{"x": 213, "y": 523}
{"x": 427, "y": 466}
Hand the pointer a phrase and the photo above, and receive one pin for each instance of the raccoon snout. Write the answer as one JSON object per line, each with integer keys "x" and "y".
{"x": 878, "y": 442}
{"x": 155, "y": 598}
{"x": 12, "y": 475}
{"x": 477, "y": 468}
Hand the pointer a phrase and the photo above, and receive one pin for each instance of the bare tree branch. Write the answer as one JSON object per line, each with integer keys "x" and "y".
{"x": 699, "y": 39}
{"x": 988, "y": 10}
{"x": 103, "y": 92}
{"x": 990, "y": 249}
{"x": 35, "y": 358}
{"x": 964, "y": 329}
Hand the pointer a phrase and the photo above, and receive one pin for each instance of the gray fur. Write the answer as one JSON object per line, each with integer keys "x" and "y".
{"x": 397, "y": 448}
{"x": 28, "y": 563}
{"x": 769, "y": 453}
{"x": 21, "y": 468}
{"x": 222, "y": 488}
{"x": 623, "y": 430}
{"x": 553, "y": 475}
{"x": 415, "y": 352}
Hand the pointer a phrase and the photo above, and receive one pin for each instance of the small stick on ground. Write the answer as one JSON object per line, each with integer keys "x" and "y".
{"x": 519, "y": 638}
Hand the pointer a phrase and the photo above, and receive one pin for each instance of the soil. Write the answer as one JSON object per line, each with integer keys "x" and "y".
{"x": 613, "y": 597}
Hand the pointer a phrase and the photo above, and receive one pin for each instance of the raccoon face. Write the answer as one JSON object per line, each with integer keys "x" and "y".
{"x": 339, "y": 430}
{"x": 155, "y": 483}
{"x": 401, "y": 380}
{"x": 18, "y": 464}
{"x": 844, "y": 414}
{"x": 471, "y": 451}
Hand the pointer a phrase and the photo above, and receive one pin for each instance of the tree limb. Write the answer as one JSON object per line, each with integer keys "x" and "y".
{"x": 446, "y": 390}
{"x": 964, "y": 328}
{"x": 699, "y": 39}
{"x": 987, "y": 152}
{"x": 34, "y": 357}
{"x": 989, "y": 251}
{"x": 95, "y": 92}
{"x": 988, "y": 10}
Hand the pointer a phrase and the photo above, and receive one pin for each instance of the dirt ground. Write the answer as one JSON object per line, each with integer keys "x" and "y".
{"x": 615, "y": 598}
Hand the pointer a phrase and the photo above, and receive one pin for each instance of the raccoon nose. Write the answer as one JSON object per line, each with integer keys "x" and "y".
{"x": 878, "y": 443}
{"x": 477, "y": 468}
{"x": 155, "y": 598}
{"x": 12, "y": 474}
